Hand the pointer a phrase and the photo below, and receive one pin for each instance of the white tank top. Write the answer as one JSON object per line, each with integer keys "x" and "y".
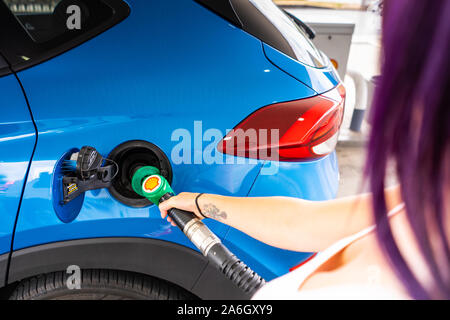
{"x": 286, "y": 287}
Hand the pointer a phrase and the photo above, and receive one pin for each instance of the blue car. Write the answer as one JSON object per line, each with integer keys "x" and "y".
{"x": 161, "y": 83}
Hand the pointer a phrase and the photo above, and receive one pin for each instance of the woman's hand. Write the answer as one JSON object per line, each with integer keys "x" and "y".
{"x": 184, "y": 201}
{"x": 287, "y": 223}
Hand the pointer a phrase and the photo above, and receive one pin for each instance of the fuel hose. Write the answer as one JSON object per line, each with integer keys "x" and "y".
{"x": 148, "y": 183}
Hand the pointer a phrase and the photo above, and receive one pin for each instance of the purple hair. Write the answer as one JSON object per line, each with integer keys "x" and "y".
{"x": 410, "y": 121}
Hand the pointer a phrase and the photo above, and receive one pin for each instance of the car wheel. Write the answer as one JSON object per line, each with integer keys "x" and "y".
{"x": 98, "y": 285}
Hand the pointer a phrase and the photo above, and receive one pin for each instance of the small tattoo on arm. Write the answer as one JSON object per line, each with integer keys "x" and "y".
{"x": 211, "y": 211}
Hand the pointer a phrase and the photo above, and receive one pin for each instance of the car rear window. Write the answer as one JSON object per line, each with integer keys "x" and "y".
{"x": 45, "y": 20}
{"x": 266, "y": 21}
{"x": 33, "y": 31}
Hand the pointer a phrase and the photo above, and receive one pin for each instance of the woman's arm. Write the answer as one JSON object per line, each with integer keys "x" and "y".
{"x": 287, "y": 223}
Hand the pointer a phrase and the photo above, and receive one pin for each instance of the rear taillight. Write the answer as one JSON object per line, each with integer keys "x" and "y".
{"x": 290, "y": 131}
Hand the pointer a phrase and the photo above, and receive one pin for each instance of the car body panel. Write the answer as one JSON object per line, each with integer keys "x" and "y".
{"x": 137, "y": 100}
{"x": 17, "y": 140}
{"x": 136, "y": 82}
{"x": 316, "y": 180}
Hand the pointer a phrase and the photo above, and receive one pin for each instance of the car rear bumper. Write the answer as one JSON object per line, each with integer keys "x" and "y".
{"x": 312, "y": 180}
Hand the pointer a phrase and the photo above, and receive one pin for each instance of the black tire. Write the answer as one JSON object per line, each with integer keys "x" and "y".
{"x": 98, "y": 285}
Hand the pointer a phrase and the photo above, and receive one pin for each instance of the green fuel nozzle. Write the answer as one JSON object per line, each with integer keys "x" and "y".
{"x": 147, "y": 182}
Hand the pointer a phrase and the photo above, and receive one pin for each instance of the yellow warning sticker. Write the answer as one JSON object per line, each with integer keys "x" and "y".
{"x": 72, "y": 188}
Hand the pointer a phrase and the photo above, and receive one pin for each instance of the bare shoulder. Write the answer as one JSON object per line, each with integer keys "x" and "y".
{"x": 363, "y": 264}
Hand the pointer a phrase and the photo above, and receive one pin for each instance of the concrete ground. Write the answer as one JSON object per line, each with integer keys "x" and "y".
{"x": 351, "y": 165}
